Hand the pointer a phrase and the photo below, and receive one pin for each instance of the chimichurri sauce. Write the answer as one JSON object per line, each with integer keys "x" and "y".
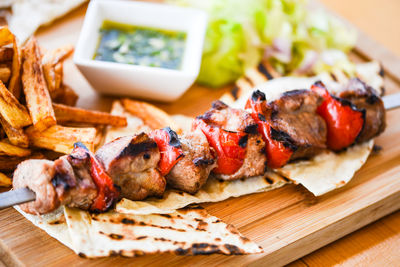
{"x": 140, "y": 46}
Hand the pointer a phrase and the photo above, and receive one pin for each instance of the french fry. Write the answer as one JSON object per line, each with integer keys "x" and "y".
{"x": 72, "y": 114}
{"x": 66, "y": 96}
{"x": 152, "y": 116}
{"x": 6, "y": 53}
{"x": 6, "y": 37}
{"x": 11, "y": 110}
{"x": 16, "y": 136}
{"x": 5, "y": 181}
{"x": 35, "y": 88}
{"x": 53, "y": 67}
{"x": 61, "y": 139}
{"x": 15, "y": 81}
{"x": 5, "y": 73}
{"x": 8, "y": 149}
{"x": 8, "y": 164}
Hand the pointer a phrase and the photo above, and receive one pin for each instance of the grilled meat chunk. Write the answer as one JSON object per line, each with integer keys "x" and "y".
{"x": 238, "y": 120}
{"x": 73, "y": 182}
{"x": 191, "y": 172}
{"x": 132, "y": 161}
{"x": 366, "y": 98}
{"x": 294, "y": 119}
{"x": 230, "y": 119}
{"x": 37, "y": 174}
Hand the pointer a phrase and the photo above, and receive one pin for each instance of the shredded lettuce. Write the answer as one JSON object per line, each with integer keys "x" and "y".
{"x": 293, "y": 38}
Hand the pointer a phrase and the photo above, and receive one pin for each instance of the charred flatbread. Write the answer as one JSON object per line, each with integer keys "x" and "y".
{"x": 190, "y": 231}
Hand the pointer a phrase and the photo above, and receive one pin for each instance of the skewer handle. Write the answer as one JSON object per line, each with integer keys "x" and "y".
{"x": 391, "y": 101}
{"x": 15, "y": 197}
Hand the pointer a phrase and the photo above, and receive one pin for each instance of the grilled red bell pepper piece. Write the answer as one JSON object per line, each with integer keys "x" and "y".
{"x": 344, "y": 121}
{"x": 170, "y": 148}
{"x": 278, "y": 154}
{"x": 227, "y": 144}
{"x": 106, "y": 191}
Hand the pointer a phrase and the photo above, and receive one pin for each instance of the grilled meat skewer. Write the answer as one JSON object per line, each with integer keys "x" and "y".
{"x": 231, "y": 142}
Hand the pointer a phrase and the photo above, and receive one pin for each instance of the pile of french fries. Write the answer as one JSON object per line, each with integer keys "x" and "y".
{"x": 36, "y": 107}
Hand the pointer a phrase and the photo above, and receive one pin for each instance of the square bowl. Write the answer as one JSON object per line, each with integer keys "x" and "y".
{"x": 134, "y": 80}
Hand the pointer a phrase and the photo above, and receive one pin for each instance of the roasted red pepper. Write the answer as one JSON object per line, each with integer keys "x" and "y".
{"x": 230, "y": 151}
{"x": 106, "y": 191}
{"x": 278, "y": 154}
{"x": 343, "y": 120}
{"x": 170, "y": 148}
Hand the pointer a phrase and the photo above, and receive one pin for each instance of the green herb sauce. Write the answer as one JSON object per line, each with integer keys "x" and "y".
{"x": 143, "y": 46}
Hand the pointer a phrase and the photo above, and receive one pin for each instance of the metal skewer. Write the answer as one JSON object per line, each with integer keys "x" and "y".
{"x": 391, "y": 101}
{"x": 23, "y": 195}
{"x": 15, "y": 197}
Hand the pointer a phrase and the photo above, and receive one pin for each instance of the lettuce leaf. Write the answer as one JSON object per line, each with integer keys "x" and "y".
{"x": 295, "y": 39}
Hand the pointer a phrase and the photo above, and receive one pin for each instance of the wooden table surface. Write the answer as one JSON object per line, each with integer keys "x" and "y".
{"x": 378, "y": 243}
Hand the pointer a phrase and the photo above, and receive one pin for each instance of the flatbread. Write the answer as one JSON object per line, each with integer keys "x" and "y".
{"x": 190, "y": 231}
{"x": 54, "y": 224}
{"x": 39, "y": 12}
{"x": 213, "y": 191}
{"x": 328, "y": 171}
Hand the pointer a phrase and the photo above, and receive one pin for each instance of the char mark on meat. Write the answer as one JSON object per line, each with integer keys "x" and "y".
{"x": 283, "y": 137}
{"x": 173, "y": 137}
{"x": 294, "y": 121}
{"x": 258, "y": 96}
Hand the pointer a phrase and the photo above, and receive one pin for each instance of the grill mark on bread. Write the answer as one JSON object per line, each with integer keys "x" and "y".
{"x": 261, "y": 68}
{"x": 234, "y": 92}
{"x": 269, "y": 180}
{"x": 249, "y": 80}
{"x": 127, "y": 221}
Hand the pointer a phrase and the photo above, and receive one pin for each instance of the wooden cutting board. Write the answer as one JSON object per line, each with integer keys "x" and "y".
{"x": 288, "y": 222}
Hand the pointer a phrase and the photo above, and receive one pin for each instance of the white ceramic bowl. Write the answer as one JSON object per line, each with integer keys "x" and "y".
{"x": 134, "y": 80}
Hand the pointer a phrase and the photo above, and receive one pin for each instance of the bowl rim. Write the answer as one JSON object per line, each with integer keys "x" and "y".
{"x": 194, "y": 53}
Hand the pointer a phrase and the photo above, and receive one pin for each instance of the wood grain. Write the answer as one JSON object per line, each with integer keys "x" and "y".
{"x": 289, "y": 222}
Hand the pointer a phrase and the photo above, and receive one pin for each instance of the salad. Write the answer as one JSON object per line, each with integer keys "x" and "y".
{"x": 295, "y": 39}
